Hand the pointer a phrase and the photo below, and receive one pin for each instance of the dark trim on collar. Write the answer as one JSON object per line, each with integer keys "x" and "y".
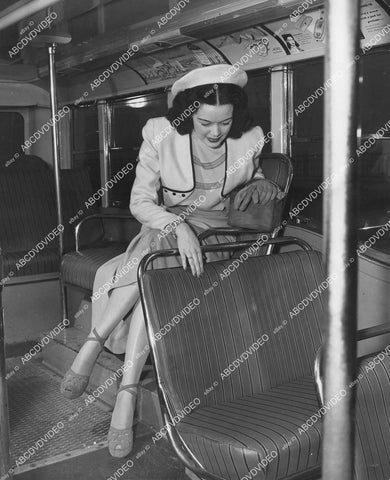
{"x": 224, "y": 180}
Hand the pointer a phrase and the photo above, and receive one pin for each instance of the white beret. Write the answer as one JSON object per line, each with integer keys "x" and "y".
{"x": 221, "y": 73}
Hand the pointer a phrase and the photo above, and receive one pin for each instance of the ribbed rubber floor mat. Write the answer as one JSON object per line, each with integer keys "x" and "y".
{"x": 42, "y": 422}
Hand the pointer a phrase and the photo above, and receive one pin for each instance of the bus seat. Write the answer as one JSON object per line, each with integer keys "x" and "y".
{"x": 76, "y": 189}
{"x": 278, "y": 168}
{"x": 241, "y": 358}
{"x": 27, "y": 215}
{"x": 372, "y": 436}
{"x": 372, "y": 420}
{"x": 79, "y": 267}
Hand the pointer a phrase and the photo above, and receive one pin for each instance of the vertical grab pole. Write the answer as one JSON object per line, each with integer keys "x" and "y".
{"x": 55, "y": 136}
{"x": 5, "y": 459}
{"x": 340, "y": 236}
{"x": 56, "y": 157}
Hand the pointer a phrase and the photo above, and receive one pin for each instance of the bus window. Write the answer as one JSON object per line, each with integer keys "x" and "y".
{"x": 128, "y": 116}
{"x": 307, "y": 140}
{"x": 375, "y": 98}
{"x": 11, "y": 136}
{"x": 85, "y": 133}
{"x": 374, "y": 161}
{"x": 258, "y": 89}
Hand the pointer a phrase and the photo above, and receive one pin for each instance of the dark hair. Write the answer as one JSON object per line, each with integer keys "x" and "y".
{"x": 287, "y": 36}
{"x": 187, "y": 102}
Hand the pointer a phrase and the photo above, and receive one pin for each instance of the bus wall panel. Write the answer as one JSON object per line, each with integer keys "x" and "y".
{"x": 13, "y": 94}
{"x": 373, "y": 290}
{"x": 33, "y": 103}
{"x": 30, "y": 310}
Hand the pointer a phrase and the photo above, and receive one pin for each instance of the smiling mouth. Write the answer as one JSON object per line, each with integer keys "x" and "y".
{"x": 213, "y": 140}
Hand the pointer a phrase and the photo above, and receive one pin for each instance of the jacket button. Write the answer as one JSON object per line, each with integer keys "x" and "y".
{"x": 183, "y": 194}
{"x": 165, "y": 190}
{"x": 174, "y": 193}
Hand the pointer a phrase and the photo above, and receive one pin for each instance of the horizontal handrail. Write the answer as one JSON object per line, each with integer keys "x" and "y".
{"x": 119, "y": 216}
{"x": 220, "y": 247}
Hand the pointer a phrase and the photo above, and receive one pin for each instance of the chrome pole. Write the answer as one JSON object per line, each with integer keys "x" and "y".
{"x": 340, "y": 236}
{"x": 5, "y": 458}
{"x": 56, "y": 144}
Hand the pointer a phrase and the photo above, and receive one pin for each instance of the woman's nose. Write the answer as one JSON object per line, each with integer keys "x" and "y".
{"x": 215, "y": 130}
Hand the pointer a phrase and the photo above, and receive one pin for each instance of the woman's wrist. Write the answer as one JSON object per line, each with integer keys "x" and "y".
{"x": 182, "y": 225}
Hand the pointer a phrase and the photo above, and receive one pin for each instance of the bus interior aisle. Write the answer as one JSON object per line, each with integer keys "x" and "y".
{"x": 84, "y": 89}
{"x": 56, "y": 438}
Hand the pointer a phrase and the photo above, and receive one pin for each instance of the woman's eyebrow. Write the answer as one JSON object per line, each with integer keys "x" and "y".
{"x": 205, "y": 120}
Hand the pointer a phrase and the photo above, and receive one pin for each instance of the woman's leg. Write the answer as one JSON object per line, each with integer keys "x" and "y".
{"x": 120, "y": 302}
{"x": 137, "y": 351}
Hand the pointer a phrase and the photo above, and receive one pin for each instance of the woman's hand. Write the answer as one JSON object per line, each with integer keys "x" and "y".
{"x": 189, "y": 248}
{"x": 262, "y": 191}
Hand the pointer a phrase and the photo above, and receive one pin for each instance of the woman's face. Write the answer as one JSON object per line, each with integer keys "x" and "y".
{"x": 291, "y": 41}
{"x": 212, "y": 123}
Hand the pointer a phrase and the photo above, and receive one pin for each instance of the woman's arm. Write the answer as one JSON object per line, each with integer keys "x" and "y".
{"x": 144, "y": 203}
{"x": 144, "y": 194}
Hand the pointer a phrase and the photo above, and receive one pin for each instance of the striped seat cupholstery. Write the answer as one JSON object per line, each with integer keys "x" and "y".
{"x": 80, "y": 269}
{"x": 372, "y": 436}
{"x": 257, "y": 436}
{"x": 235, "y": 358}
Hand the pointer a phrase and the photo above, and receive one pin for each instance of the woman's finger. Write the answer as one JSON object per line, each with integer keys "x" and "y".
{"x": 200, "y": 257}
{"x": 266, "y": 197}
{"x": 192, "y": 264}
{"x": 256, "y": 196}
{"x": 183, "y": 260}
{"x": 246, "y": 200}
{"x": 198, "y": 263}
{"x": 238, "y": 199}
{"x": 241, "y": 196}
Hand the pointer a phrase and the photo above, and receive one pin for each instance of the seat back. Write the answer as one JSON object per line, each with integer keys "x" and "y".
{"x": 278, "y": 168}
{"x": 27, "y": 208}
{"x": 230, "y": 333}
{"x": 76, "y": 189}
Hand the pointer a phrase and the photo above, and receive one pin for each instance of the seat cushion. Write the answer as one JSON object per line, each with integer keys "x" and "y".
{"x": 79, "y": 269}
{"x": 232, "y": 438}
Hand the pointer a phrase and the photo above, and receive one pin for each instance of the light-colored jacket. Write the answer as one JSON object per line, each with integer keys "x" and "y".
{"x": 165, "y": 162}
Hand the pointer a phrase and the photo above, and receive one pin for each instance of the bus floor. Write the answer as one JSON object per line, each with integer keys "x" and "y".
{"x": 159, "y": 463}
{"x": 56, "y": 438}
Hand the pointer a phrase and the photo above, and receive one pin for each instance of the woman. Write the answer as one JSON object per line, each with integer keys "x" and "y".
{"x": 191, "y": 155}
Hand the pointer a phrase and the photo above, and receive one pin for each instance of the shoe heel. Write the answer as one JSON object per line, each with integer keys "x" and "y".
{"x": 120, "y": 440}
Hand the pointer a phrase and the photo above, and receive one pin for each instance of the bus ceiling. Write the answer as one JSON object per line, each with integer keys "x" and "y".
{"x": 161, "y": 31}
{"x": 103, "y": 28}
{"x": 22, "y": 9}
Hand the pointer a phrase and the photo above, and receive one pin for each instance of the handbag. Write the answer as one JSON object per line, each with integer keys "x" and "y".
{"x": 263, "y": 218}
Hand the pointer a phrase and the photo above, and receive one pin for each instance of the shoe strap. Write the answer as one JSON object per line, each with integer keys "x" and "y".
{"x": 97, "y": 338}
{"x": 126, "y": 388}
